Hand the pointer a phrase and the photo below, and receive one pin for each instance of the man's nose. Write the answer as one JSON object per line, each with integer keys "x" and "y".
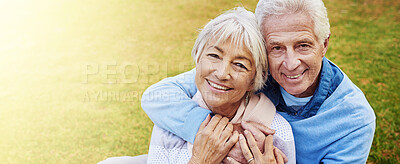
{"x": 291, "y": 61}
{"x": 223, "y": 71}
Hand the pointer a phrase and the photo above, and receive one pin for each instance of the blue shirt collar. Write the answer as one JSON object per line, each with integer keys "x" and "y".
{"x": 291, "y": 100}
{"x": 330, "y": 78}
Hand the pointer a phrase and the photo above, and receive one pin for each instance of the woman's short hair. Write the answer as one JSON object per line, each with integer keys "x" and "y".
{"x": 315, "y": 8}
{"x": 240, "y": 27}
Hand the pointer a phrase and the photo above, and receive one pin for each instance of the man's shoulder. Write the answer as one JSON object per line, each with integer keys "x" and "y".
{"x": 346, "y": 91}
{"x": 348, "y": 101}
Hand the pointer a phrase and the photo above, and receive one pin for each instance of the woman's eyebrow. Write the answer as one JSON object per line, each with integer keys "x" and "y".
{"x": 244, "y": 58}
{"x": 219, "y": 49}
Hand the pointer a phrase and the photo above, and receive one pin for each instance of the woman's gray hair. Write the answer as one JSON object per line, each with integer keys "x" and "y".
{"x": 315, "y": 8}
{"x": 240, "y": 27}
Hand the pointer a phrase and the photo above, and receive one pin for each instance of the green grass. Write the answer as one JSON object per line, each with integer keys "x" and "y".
{"x": 72, "y": 72}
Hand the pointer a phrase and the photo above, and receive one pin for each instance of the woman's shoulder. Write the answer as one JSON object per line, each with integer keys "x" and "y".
{"x": 283, "y": 137}
{"x": 282, "y": 128}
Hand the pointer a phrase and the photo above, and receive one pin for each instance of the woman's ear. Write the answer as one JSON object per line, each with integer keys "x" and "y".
{"x": 251, "y": 87}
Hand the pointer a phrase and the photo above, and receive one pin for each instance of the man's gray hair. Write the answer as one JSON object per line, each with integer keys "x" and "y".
{"x": 240, "y": 27}
{"x": 315, "y": 8}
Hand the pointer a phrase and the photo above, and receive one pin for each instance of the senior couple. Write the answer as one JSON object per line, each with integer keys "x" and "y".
{"x": 262, "y": 92}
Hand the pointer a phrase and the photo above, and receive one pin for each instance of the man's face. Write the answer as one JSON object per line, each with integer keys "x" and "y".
{"x": 294, "y": 53}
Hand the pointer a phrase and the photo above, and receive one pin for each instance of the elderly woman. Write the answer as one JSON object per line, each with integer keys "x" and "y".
{"x": 231, "y": 65}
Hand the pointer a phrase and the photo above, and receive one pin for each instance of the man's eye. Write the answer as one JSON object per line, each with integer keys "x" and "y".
{"x": 304, "y": 45}
{"x": 276, "y": 48}
{"x": 240, "y": 65}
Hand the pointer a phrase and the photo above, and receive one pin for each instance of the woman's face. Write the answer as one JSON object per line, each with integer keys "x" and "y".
{"x": 224, "y": 73}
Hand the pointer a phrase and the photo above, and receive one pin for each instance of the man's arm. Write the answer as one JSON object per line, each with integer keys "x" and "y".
{"x": 169, "y": 105}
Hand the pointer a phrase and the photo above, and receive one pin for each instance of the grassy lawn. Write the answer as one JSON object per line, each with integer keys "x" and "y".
{"x": 72, "y": 72}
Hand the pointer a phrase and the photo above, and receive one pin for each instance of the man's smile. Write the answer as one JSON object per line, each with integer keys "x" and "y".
{"x": 295, "y": 76}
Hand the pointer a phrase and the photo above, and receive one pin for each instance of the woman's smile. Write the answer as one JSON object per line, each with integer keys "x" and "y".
{"x": 218, "y": 86}
{"x": 222, "y": 76}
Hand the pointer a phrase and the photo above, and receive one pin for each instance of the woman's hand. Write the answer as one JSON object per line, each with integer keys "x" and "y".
{"x": 259, "y": 131}
{"x": 271, "y": 155}
{"x": 213, "y": 140}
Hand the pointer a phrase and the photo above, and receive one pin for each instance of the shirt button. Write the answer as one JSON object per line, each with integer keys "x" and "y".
{"x": 295, "y": 113}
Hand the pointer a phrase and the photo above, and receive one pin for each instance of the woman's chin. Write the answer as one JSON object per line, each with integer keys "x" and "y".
{"x": 216, "y": 103}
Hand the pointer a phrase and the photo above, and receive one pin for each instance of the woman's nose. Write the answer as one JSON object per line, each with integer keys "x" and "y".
{"x": 223, "y": 71}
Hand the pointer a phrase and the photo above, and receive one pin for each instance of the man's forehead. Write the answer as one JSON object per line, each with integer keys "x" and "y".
{"x": 285, "y": 40}
{"x": 287, "y": 23}
{"x": 288, "y": 27}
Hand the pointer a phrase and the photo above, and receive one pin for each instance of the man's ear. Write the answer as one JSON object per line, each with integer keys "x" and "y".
{"x": 326, "y": 43}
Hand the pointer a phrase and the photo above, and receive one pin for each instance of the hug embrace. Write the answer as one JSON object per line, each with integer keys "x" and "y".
{"x": 262, "y": 92}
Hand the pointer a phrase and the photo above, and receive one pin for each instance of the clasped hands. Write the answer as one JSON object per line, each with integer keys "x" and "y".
{"x": 217, "y": 141}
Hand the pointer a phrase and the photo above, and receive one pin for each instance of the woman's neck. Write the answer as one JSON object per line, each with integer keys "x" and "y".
{"x": 228, "y": 111}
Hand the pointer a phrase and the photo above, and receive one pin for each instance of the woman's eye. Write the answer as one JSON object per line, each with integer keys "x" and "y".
{"x": 213, "y": 55}
{"x": 241, "y": 66}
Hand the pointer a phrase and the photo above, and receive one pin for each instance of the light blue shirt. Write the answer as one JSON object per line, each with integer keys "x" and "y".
{"x": 294, "y": 102}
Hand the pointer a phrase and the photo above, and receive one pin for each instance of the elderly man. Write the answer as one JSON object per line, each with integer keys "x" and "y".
{"x": 331, "y": 119}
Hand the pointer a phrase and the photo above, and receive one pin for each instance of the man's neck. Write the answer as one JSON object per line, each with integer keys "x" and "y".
{"x": 294, "y": 101}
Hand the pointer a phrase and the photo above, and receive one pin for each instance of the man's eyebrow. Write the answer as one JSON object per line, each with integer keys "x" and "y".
{"x": 272, "y": 42}
{"x": 305, "y": 41}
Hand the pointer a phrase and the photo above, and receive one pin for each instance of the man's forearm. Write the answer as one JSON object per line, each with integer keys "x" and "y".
{"x": 169, "y": 105}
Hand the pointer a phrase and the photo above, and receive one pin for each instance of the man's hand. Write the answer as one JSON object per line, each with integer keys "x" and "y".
{"x": 270, "y": 156}
{"x": 259, "y": 130}
{"x": 236, "y": 152}
{"x": 259, "y": 135}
